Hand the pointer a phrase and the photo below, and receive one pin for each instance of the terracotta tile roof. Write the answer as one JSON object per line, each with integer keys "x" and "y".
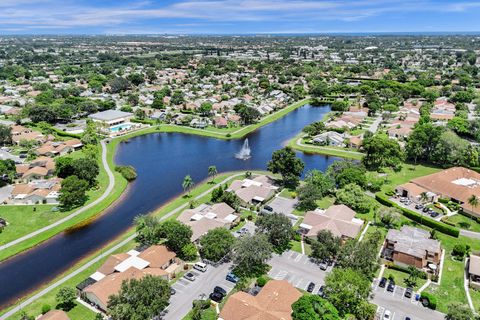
{"x": 274, "y": 302}
{"x": 41, "y": 171}
{"x": 112, "y": 283}
{"x": 54, "y": 315}
{"x": 157, "y": 256}
{"x": 339, "y": 219}
{"x": 22, "y": 188}
{"x": 108, "y": 267}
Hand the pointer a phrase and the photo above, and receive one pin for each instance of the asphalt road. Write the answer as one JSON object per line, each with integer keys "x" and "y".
{"x": 187, "y": 291}
{"x": 297, "y": 269}
{"x": 401, "y": 307}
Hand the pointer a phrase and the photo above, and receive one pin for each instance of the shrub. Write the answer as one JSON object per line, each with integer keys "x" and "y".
{"x": 439, "y": 226}
{"x": 432, "y": 300}
{"x": 46, "y": 308}
{"x": 459, "y": 250}
{"x": 390, "y": 265}
{"x": 391, "y": 277}
{"x": 261, "y": 281}
{"x": 128, "y": 172}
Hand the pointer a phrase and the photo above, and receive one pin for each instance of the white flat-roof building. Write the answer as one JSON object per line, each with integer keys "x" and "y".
{"x": 111, "y": 117}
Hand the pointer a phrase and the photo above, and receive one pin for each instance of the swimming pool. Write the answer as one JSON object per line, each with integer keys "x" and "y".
{"x": 121, "y": 127}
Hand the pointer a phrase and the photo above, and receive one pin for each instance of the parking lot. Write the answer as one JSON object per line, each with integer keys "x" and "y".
{"x": 297, "y": 269}
{"x": 187, "y": 291}
{"x": 409, "y": 204}
{"x": 248, "y": 228}
{"x": 399, "y": 306}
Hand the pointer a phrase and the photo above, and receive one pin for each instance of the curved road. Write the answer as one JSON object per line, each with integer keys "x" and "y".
{"x": 104, "y": 254}
{"x": 111, "y": 183}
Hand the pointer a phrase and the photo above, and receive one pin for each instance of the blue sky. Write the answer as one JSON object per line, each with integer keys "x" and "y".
{"x": 235, "y": 16}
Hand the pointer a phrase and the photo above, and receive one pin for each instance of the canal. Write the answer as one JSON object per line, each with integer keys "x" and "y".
{"x": 162, "y": 160}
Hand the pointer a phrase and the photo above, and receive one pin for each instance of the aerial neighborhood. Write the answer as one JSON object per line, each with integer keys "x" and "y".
{"x": 250, "y": 177}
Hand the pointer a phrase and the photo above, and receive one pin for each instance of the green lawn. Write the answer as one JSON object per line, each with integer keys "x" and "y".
{"x": 297, "y": 247}
{"x": 22, "y": 223}
{"x": 407, "y": 173}
{"x": 208, "y": 314}
{"x": 451, "y": 286}
{"x": 464, "y": 222}
{"x": 400, "y": 277}
{"x": 331, "y": 151}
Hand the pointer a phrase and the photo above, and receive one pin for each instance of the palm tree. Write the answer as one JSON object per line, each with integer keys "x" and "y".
{"x": 473, "y": 201}
{"x": 187, "y": 184}
{"x": 212, "y": 172}
{"x": 423, "y": 197}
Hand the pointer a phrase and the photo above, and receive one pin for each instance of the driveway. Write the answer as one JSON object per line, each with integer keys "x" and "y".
{"x": 297, "y": 269}
{"x": 4, "y": 155}
{"x": 249, "y": 226}
{"x": 187, "y": 291}
{"x": 401, "y": 307}
{"x": 5, "y": 192}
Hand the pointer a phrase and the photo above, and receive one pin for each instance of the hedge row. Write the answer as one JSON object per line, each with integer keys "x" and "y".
{"x": 439, "y": 226}
{"x": 390, "y": 265}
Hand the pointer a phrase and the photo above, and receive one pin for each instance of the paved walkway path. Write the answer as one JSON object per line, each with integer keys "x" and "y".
{"x": 104, "y": 254}
{"x": 374, "y": 126}
{"x": 111, "y": 183}
{"x": 466, "y": 287}
{"x": 300, "y": 144}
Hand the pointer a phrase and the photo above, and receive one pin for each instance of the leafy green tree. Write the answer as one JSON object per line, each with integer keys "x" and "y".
{"x": 5, "y": 135}
{"x": 286, "y": 163}
{"x": 248, "y": 114}
{"x": 189, "y": 252}
{"x": 277, "y": 228}
{"x": 216, "y": 243}
{"x": 73, "y": 192}
{"x": 65, "y": 298}
{"x": 86, "y": 169}
{"x": 177, "y": 98}
{"x": 187, "y": 184}
{"x": 158, "y": 103}
{"x": 313, "y": 307}
{"x": 140, "y": 299}
{"x": 212, "y": 172}
{"x": 459, "y": 311}
{"x": 361, "y": 256}
{"x": 119, "y": 84}
{"x": 8, "y": 170}
{"x": 250, "y": 255}
{"x": 176, "y": 235}
{"x": 381, "y": 152}
{"x": 325, "y": 246}
{"x": 347, "y": 172}
{"x": 64, "y": 167}
{"x": 354, "y": 197}
{"x": 422, "y": 141}
{"x": 346, "y": 290}
{"x": 148, "y": 230}
{"x": 316, "y": 186}
{"x": 136, "y": 78}
{"x": 205, "y": 108}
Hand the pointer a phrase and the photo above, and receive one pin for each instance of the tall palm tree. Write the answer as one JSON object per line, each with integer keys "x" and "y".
{"x": 187, "y": 184}
{"x": 473, "y": 201}
{"x": 212, "y": 172}
{"x": 423, "y": 197}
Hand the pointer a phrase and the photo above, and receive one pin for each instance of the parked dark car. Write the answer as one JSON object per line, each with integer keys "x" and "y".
{"x": 383, "y": 282}
{"x": 310, "y": 287}
{"x": 434, "y": 214}
{"x": 232, "y": 278}
{"x": 321, "y": 291}
{"x": 419, "y": 206}
{"x": 268, "y": 208}
{"x": 220, "y": 290}
{"x": 215, "y": 296}
{"x": 425, "y": 209}
{"x": 391, "y": 286}
{"x": 172, "y": 291}
{"x": 408, "y": 293}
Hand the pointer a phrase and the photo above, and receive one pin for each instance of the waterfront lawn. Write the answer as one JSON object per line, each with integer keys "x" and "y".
{"x": 330, "y": 151}
{"x": 407, "y": 173}
{"x": 30, "y": 225}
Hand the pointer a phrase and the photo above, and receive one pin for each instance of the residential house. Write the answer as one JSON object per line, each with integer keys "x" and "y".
{"x": 55, "y": 148}
{"x": 253, "y": 191}
{"x": 457, "y": 184}
{"x": 273, "y": 302}
{"x": 330, "y": 138}
{"x": 54, "y": 315}
{"x": 111, "y": 117}
{"x": 412, "y": 246}
{"x": 37, "y": 191}
{"x": 21, "y": 133}
{"x": 220, "y": 122}
{"x": 474, "y": 271}
{"x": 206, "y": 217}
{"x": 156, "y": 260}
{"x": 339, "y": 219}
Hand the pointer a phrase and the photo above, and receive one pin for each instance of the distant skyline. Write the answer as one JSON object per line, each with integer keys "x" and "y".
{"x": 236, "y": 16}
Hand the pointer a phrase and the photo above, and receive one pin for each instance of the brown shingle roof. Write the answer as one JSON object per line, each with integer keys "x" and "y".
{"x": 157, "y": 256}
{"x": 274, "y": 302}
{"x": 55, "y": 315}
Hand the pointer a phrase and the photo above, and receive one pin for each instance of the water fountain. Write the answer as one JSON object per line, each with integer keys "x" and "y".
{"x": 244, "y": 153}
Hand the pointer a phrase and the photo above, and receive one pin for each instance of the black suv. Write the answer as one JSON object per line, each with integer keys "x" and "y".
{"x": 310, "y": 287}
{"x": 220, "y": 290}
{"x": 215, "y": 296}
{"x": 383, "y": 282}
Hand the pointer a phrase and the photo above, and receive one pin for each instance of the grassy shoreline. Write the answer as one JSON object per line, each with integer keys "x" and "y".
{"x": 80, "y": 312}
{"x": 329, "y": 151}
